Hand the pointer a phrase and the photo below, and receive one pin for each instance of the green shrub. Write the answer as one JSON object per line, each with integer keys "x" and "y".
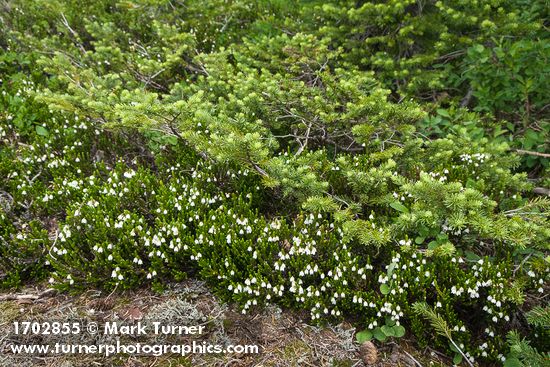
{"x": 21, "y": 251}
{"x": 343, "y": 170}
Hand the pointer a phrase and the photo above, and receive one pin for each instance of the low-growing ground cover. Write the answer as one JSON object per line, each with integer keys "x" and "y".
{"x": 148, "y": 142}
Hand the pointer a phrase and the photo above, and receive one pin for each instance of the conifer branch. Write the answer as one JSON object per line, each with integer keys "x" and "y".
{"x": 439, "y": 324}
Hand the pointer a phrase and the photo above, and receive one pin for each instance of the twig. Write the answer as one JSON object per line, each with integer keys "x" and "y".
{"x": 525, "y": 213}
{"x": 259, "y": 169}
{"x": 461, "y": 352}
{"x": 227, "y": 20}
{"x": 35, "y": 176}
{"x": 529, "y": 152}
{"x": 75, "y": 35}
{"x": 466, "y": 100}
{"x": 18, "y": 297}
{"x": 304, "y": 145}
{"x": 113, "y": 292}
{"x": 414, "y": 360}
{"x": 521, "y": 264}
{"x": 337, "y": 198}
{"x": 541, "y": 191}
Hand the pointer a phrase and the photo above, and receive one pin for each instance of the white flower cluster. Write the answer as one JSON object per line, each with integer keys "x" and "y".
{"x": 474, "y": 159}
{"x": 442, "y": 177}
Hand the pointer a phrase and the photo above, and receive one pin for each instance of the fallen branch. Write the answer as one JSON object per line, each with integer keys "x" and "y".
{"x": 33, "y": 297}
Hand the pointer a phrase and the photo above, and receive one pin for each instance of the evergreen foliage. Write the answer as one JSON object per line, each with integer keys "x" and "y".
{"x": 351, "y": 159}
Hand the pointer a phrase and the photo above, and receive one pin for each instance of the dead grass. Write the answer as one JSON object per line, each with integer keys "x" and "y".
{"x": 284, "y": 339}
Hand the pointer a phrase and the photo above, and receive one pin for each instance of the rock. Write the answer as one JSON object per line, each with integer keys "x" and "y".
{"x": 133, "y": 314}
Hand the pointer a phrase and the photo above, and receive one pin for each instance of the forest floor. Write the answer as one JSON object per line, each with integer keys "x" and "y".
{"x": 283, "y": 339}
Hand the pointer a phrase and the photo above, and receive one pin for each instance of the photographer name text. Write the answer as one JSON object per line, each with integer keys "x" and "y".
{"x": 156, "y": 328}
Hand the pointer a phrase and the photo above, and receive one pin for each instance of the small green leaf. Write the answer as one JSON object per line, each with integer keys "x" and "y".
{"x": 512, "y": 362}
{"x": 384, "y": 289}
{"x": 442, "y": 112}
{"x": 172, "y": 140}
{"x": 457, "y": 358}
{"x": 387, "y": 330}
{"x": 379, "y": 334}
{"x": 40, "y": 130}
{"x": 399, "y": 207}
{"x": 424, "y": 231}
{"x": 391, "y": 268}
{"x": 363, "y": 336}
{"x": 433, "y": 245}
{"x": 390, "y": 321}
{"x": 479, "y": 48}
{"x": 471, "y": 256}
{"x": 399, "y": 331}
{"x": 418, "y": 240}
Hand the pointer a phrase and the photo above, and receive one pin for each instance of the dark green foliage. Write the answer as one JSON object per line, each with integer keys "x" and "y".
{"x": 510, "y": 79}
{"x": 350, "y": 159}
{"x": 21, "y": 250}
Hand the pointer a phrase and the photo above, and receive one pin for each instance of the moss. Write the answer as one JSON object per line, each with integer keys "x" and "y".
{"x": 295, "y": 352}
{"x": 9, "y": 311}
